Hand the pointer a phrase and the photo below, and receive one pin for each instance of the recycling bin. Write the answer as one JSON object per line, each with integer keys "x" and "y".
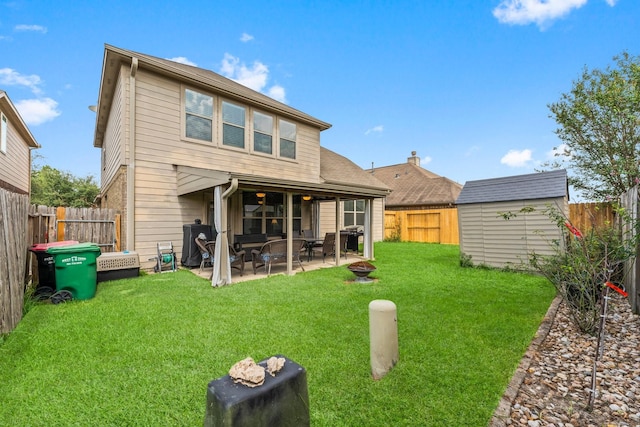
{"x": 46, "y": 269}
{"x": 75, "y": 267}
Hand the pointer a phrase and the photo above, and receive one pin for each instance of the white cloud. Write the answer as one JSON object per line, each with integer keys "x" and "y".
{"x": 246, "y": 37}
{"x": 471, "y": 151}
{"x": 611, "y": 2}
{"x": 35, "y": 28}
{"x": 182, "y": 60}
{"x": 375, "y": 129}
{"x": 561, "y": 151}
{"x": 517, "y": 158}
{"x": 11, "y": 77}
{"x": 277, "y": 92}
{"x": 37, "y": 111}
{"x": 425, "y": 160}
{"x": 254, "y": 77}
{"x": 540, "y": 12}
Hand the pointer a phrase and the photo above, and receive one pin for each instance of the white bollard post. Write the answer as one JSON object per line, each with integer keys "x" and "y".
{"x": 383, "y": 336}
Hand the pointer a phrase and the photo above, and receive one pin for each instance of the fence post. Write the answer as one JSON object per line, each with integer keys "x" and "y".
{"x": 60, "y": 215}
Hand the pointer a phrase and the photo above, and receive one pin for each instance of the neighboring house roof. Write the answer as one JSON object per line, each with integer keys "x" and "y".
{"x": 14, "y": 117}
{"x": 413, "y": 185}
{"x": 114, "y": 57}
{"x": 542, "y": 185}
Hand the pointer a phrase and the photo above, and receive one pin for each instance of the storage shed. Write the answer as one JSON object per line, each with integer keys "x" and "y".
{"x": 490, "y": 239}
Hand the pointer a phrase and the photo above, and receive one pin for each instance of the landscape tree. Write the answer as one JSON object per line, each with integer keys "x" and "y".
{"x": 52, "y": 187}
{"x": 599, "y": 125}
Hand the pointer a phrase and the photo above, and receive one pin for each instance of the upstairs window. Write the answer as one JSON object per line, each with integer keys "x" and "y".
{"x": 262, "y": 133}
{"x": 233, "y": 118}
{"x": 198, "y": 115}
{"x": 3, "y": 133}
{"x": 287, "y": 139}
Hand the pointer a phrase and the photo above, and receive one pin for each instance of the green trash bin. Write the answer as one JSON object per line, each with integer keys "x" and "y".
{"x": 76, "y": 269}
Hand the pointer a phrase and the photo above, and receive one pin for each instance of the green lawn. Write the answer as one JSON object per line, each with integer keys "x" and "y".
{"x": 142, "y": 352}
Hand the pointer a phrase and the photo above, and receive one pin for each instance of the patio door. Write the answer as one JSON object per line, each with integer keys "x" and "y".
{"x": 265, "y": 212}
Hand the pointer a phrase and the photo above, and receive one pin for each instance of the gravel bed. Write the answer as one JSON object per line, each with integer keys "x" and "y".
{"x": 553, "y": 388}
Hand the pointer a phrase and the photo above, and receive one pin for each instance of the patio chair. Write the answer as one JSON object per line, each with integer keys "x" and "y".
{"x": 201, "y": 242}
{"x": 328, "y": 246}
{"x": 275, "y": 252}
{"x": 236, "y": 258}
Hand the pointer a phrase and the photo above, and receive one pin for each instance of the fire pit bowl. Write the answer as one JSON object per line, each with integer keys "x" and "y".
{"x": 362, "y": 269}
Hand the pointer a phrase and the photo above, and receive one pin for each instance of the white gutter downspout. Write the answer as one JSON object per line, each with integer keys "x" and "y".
{"x": 131, "y": 167}
{"x": 225, "y": 195}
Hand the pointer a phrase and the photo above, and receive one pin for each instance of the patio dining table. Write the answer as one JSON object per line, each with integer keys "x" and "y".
{"x": 312, "y": 242}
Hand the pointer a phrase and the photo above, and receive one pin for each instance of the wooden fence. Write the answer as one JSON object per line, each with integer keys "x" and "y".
{"x": 427, "y": 225}
{"x": 629, "y": 202}
{"x": 585, "y": 216}
{"x": 441, "y": 225}
{"x": 56, "y": 224}
{"x": 14, "y": 209}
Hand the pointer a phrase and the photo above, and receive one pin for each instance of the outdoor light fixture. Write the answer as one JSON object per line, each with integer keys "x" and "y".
{"x": 306, "y": 198}
{"x": 274, "y": 221}
{"x": 260, "y": 195}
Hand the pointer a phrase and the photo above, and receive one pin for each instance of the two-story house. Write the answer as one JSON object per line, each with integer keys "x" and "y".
{"x": 171, "y": 133}
{"x": 16, "y": 142}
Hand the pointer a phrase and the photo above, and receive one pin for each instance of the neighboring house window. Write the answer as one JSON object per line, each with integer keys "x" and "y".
{"x": 198, "y": 115}
{"x": 287, "y": 139}
{"x": 353, "y": 213}
{"x": 233, "y": 118}
{"x": 3, "y": 134}
{"x": 262, "y": 133}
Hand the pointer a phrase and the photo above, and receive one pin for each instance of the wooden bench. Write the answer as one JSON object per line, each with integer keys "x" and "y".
{"x": 275, "y": 252}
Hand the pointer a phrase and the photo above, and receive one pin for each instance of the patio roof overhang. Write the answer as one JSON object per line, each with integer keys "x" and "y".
{"x": 191, "y": 180}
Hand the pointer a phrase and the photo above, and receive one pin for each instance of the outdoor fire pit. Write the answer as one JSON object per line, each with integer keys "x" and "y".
{"x": 362, "y": 269}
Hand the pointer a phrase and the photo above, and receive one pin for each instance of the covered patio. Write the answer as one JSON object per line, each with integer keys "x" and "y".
{"x": 246, "y": 204}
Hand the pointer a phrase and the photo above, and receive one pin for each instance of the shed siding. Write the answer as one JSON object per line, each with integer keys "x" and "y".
{"x": 15, "y": 164}
{"x": 491, "y": 240}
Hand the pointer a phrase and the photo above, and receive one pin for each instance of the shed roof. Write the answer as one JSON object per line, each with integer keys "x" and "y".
{"x": 413, "y": 185}
{"x": 542, "y": 185}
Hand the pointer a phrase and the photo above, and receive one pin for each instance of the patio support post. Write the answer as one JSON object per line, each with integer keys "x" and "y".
{"x": 367, "y": 250}
{"x": 336, "y": 249}
{"x": 289, "y": 233}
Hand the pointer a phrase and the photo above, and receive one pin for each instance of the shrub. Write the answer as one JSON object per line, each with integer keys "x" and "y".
{"x": 580, "y": 266}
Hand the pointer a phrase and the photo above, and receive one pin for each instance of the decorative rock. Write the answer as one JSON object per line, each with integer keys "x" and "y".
{"x": 558, "y": 379}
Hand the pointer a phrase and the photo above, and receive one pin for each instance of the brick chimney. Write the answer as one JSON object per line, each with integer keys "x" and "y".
{"x": 415, "y": 160}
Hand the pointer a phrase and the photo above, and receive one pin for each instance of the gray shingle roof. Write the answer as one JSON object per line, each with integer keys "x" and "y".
{"x": 413, "y": 185}
{"x": 540, "y": 185}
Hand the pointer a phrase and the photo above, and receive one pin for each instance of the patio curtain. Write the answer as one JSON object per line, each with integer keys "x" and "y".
{"x": 221, "y": 263}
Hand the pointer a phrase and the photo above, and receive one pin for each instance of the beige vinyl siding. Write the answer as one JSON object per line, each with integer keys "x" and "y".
{"x": 15, "y": 163}
{"x": 114, "y": 140}
{"x": 159, "y": 129}
{"x": 328, "y": 218}
{"x": 159, "y": 212}
{"x": 492, "y": 240}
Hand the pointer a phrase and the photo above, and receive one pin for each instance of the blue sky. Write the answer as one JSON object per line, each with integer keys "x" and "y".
{"x": 464, "y": 83}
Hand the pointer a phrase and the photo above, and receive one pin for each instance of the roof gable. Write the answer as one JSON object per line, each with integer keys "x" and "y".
{"x": 542, "y": 185}
{"x": 9, "y": 110}
{"x": 208, "y": 80}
